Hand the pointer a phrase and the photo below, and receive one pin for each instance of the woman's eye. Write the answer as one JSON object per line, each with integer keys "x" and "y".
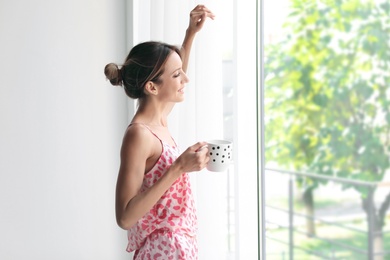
{"x": 177, "y": 75}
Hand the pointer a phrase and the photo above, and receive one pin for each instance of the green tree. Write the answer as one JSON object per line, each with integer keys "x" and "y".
{"x": 327, "y": 94}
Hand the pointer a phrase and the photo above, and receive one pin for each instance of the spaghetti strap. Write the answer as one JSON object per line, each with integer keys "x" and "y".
{"x": 161, "y": 140}
{"x": 147, "y": 127}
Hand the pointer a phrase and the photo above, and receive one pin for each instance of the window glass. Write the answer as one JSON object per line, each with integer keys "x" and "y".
{"x": 327, "y": 129}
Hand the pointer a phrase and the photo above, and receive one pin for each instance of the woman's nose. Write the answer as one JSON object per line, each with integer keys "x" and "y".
{"x": 185, "y": 78}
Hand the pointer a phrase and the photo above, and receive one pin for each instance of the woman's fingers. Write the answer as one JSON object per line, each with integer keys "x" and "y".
{"x": 195, "y": 157}
{"x": 198, "y": 16}
{"x": 199, "y": 146}
{"x": 201, "y": 10}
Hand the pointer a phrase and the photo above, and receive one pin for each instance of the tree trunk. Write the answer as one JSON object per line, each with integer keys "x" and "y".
{"x": 378, "y": 245}
{"x": 308, "y": 201}
{"x": 378, "y": 218}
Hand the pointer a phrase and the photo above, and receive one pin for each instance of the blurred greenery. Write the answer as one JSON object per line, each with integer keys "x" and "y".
{"x": 327, "y": 93}
{"x": 327, "y": 90}
{"x": 355, "y": 239}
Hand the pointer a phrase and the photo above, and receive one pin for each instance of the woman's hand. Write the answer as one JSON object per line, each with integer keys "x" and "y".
{"x": 195, "y": 158}
{"x": 197, "y": 18}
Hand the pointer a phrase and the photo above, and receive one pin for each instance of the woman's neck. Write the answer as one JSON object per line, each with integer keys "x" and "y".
{"x": 152, "y": 115}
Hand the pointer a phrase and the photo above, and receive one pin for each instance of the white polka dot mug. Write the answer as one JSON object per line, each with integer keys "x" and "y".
{"x": 221, "y": 155}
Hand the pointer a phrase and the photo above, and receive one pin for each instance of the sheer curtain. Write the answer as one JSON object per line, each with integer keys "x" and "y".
{"x": 222, "y": 234}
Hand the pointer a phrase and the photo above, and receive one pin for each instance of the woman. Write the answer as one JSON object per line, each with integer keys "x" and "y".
{"x": 154, "y": 201}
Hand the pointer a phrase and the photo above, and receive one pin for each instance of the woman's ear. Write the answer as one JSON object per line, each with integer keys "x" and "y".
{"x": 150, "y": 88}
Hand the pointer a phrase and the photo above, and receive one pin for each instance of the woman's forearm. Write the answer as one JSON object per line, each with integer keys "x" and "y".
{"x": 186, "y": 48}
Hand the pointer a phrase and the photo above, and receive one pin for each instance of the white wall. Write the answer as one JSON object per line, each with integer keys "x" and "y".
{"x": 61, "y": 129}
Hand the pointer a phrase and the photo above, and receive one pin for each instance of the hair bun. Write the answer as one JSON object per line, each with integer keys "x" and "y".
{"x": 113, "y": 74}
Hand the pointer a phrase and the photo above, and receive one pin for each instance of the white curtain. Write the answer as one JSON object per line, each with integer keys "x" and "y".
{"x": 200, "y": 118}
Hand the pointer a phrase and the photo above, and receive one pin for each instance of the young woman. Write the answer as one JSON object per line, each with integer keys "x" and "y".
{"x": 154, "y": 201}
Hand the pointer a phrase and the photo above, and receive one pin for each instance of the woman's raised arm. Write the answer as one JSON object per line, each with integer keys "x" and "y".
{"x": 198, "y": 17}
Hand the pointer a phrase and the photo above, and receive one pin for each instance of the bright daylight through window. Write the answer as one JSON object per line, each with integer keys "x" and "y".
{"x": 327, "y": 129}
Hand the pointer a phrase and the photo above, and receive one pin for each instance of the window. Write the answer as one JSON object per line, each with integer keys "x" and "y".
{"x": 327, "y": 129}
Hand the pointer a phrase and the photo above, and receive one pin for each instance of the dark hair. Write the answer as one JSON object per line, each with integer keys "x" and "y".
{"x": 144, "y": 63}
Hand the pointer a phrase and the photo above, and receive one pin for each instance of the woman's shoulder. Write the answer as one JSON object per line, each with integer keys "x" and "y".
{"x": 139, "y": 144}
{"x": 137, "y": 133}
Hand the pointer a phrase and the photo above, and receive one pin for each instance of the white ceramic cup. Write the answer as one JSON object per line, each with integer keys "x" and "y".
{"x": 221, "y": 155}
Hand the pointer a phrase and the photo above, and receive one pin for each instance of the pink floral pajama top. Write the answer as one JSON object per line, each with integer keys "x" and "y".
{"x": 168, "y": 230}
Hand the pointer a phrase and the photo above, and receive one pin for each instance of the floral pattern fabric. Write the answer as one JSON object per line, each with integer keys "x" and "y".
{"x": 168, "y": 230}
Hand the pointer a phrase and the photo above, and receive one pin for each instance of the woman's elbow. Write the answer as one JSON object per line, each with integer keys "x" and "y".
{"x": 124, "y": 223}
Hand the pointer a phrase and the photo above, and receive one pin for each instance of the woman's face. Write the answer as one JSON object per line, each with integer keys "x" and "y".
{"x": 171, "y": 88}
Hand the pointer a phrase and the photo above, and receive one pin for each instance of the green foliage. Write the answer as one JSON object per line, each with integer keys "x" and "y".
{"x": 327, "y": 90}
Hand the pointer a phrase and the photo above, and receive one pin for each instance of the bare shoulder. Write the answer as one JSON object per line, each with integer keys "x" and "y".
{"x": 137, "y": 137}
{"x": 139, "y": 148}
